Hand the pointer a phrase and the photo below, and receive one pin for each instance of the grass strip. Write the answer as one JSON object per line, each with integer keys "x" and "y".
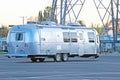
{"x": 3, "y": 52}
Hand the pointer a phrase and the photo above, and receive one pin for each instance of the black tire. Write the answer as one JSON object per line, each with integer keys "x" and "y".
{"x": 41, "y": 59}
{"x": 65, "y": 57}
{"x": 34, "y": 59}
{"x": 96, "y": 56}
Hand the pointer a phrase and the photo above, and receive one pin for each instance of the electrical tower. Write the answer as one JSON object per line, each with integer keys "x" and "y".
{"x": 109, "y": 11}
{"x": 66, "y": 10}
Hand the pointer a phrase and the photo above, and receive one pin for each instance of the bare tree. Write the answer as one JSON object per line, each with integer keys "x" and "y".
{"x": 3, "y": 31}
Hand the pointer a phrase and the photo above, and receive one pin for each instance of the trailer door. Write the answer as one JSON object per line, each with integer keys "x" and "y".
{"x": 17, "y": 42}
{"x": 81, "y": 43}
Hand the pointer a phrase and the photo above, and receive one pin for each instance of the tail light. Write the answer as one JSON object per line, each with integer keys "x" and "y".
{"x": 25, "y": 44}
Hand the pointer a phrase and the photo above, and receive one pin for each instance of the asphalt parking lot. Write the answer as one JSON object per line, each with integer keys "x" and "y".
{"x": 106, "y": 67}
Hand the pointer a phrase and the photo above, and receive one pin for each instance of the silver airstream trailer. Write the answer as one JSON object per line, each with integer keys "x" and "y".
{"x": 59, "y": 42}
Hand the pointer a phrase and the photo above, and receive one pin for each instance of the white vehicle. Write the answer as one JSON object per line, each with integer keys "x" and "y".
{"x": 3, "y": 44}
{"x": 59, "y": 42}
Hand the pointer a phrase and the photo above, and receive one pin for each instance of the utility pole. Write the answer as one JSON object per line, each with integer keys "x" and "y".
{"x": 115, "y": 21}
{"x": 66, "y": 9}
{"x": 117, "y": 15}
{"x": 23, "y": 19}
{"x": 54, "y": 7}
{"x": 113, "y": 25}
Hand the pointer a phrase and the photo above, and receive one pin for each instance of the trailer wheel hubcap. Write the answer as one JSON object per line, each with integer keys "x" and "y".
{"x": 65, "y": 57}
{"x": 58, "y": 57}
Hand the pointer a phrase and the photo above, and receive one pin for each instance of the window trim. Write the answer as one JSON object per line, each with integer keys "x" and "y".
{"x": 91, "y": 37}
{"x": 73, "y": 37}
{"x": 66, "y": 37}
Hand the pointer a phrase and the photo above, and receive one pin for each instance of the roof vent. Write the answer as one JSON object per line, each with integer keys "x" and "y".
{"x": 73, "y": 24}
{"x": 48, "y": 23}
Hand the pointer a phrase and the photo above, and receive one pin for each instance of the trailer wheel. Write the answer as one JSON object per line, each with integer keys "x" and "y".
{"x": 58, "y": 57}
{"x": 41, "y": 59}
{"x": 34, "y": 59}
{"x": 64, "y": 57}
{"x": 96, "y": 56}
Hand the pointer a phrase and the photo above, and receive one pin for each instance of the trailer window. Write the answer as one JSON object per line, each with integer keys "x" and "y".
{"x": 91, "y": 36}
{"x": 73, "y": 37}
{"x": 19, "y": 36}
{"x": 81, "y": 36}
{"x": 12, "y": 37}
{"x": 66, "y": 37}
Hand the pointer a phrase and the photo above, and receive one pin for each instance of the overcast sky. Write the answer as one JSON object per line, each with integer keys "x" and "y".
{"x": 12, "y": 10}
